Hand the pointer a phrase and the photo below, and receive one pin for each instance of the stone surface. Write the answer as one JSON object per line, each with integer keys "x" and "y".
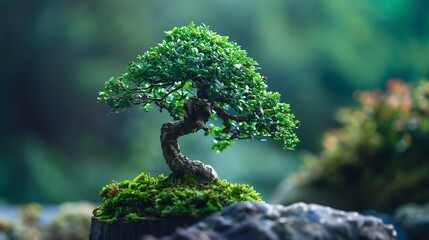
{"x": 388, "y": 219}
{"x": 262, "y": 221}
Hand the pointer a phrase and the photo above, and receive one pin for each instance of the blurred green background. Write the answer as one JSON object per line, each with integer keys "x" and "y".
{"x": 58, "y": 144}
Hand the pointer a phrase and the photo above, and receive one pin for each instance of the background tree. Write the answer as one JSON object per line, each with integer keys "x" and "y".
{"x": 198, "y": 75}
{"x": 376, "y": 157}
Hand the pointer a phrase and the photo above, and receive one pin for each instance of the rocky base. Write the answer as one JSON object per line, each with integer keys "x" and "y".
{"x": 258, "y": 221}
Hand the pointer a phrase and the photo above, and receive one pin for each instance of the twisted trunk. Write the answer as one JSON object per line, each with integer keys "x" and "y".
{"x": 197, "y": 114}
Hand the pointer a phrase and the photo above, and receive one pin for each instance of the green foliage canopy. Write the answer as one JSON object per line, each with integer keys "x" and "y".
{"x": 194, "y": 60}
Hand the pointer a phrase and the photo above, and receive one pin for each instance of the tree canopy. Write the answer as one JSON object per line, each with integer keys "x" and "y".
{"x": 195, "y": 62}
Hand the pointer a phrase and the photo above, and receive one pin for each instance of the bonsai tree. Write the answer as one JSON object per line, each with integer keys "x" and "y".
{"x": 197, "y": 75}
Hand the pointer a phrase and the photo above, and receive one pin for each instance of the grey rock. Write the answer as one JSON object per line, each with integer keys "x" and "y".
{"x": 252, "y": 220}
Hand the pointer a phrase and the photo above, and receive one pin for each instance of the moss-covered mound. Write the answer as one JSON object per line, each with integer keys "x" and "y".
{"x": 163, "y": 196}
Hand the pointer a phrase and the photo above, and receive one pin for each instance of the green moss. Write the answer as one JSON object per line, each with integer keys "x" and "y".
{"x": 163, "y": 196}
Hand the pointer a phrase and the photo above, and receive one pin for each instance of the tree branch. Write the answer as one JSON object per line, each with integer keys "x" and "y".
{"x": 226, "y": 117}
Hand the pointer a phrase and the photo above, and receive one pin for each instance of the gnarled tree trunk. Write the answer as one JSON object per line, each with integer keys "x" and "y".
{"x": 198, "y": 112}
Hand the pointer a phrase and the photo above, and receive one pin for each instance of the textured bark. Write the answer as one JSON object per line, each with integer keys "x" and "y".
{"x": 197, "y": 114}
{"x": 157, "y": 227}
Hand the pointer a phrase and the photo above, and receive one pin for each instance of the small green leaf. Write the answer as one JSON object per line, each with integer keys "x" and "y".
{"x": 194, "y": 51}
{"x": 147, "y": 107}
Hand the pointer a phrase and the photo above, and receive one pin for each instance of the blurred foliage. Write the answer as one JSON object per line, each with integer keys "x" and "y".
{"x": 377, "y": 159}
{"x": 57, "y": 54}
{"x": 69, "y": 220}
{"x": 163, "y": 196}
